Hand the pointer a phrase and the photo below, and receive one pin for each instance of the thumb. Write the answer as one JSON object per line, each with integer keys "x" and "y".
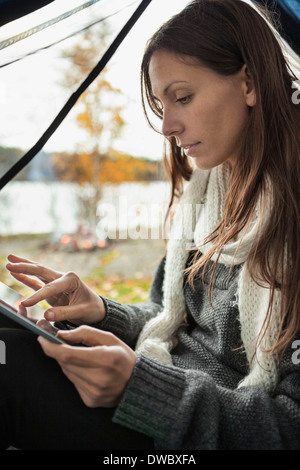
{"x": 89, "y": 336}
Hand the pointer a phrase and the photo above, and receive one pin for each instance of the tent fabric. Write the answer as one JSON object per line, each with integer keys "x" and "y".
{"x": 11, "y": 10}
{"x": 289, "y": 11}
{"x": 289, "y": 14}
{"x": 292, "y": 7}
{"x": 57, "y": 22}
{"x": 45, "y": 24}
{"x": 15, "y": 169}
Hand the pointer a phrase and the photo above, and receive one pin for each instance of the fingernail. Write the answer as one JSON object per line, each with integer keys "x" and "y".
{"x": 49, "y": 315}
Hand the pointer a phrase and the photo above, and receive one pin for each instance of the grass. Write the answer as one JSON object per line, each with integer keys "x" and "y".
{"x": 116, "y": 287}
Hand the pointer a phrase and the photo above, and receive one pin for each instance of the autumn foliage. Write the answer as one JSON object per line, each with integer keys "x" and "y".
{"x": 113, "y": 167}
{"x": 99, "y": 115}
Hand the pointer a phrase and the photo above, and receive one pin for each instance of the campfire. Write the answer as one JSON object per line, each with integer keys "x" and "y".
{"x": 84, "y": 239}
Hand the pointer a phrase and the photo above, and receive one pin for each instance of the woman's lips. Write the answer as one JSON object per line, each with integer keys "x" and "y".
{"x": 189, "y": 149}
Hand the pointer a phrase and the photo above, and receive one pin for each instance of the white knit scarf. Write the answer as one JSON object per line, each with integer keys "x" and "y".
{"x": 208, "y": 189}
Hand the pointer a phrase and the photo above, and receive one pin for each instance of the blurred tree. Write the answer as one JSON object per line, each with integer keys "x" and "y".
{"x": 73, "y": 167}
{"x": 118, "y": 167}
{"x": 10, "y": 156}
{"x": 98, "y": 110}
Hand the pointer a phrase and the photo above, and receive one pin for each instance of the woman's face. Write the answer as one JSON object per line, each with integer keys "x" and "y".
{"x": 205, "y": 112}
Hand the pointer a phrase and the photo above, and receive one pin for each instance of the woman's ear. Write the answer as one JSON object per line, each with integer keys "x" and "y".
{"x": 248, "y": 87}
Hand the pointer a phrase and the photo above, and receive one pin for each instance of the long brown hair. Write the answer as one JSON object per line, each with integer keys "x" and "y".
{"x": 226, "y": 35}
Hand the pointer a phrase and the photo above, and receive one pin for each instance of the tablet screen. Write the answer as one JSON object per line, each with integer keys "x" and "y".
{"x": 13, "y": 299}
{"x": 10, "y": 307}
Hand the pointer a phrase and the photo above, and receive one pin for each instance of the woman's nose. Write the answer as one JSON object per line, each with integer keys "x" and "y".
{"x": 171, "y": 125}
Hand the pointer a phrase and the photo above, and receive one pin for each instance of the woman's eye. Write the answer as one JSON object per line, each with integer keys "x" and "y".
{"x": 158, "y": 105}
{"x": 184, "y": 100}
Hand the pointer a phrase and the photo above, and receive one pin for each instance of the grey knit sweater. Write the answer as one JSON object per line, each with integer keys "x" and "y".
{"x": 195, "y": 404}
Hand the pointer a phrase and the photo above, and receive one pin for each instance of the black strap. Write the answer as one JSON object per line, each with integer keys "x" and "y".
{"x": 17, "y": 167}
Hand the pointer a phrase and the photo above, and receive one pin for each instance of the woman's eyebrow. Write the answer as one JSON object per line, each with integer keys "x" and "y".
{"x": 166, "y": 89}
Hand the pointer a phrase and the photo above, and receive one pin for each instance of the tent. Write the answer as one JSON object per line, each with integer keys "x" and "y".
{"x": 13, "y": 11}
{"x": 289, "y": 12}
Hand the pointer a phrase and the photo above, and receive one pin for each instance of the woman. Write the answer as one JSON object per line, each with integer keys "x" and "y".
{"x": 209, "y": 362}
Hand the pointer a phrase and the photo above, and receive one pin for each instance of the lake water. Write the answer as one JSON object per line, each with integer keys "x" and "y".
{"x": 28, "y": 207}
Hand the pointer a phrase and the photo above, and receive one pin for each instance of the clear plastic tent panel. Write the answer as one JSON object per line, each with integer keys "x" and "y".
{"x": 32, "y": 70}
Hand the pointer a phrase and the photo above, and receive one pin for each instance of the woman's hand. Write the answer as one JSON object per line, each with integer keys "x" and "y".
{"x": 100, "y": 372}
{"x": 71, "y": 299}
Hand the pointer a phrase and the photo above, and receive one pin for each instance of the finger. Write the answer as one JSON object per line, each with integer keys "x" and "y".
{"x": 63, "y": 284}
{"x": 86, "y": 393}
{"x": 22, "y": 311}
{"x": 79, "y": 383}
{"x": 68, "y": 355}
{"x": 18, "y": 259}
{"x": 50, "y": 349}
{"x": 85, "y": 382}
{"x": 89, "y": 336}
{"x": 28, "y": 281}
{"x": 34, "y": 269}
{"x": 65, "y": 312}
{"x": 42, "y": 323}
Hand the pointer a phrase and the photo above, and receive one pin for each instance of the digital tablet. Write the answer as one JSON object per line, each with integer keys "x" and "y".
{"x": 9, "y": 306}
